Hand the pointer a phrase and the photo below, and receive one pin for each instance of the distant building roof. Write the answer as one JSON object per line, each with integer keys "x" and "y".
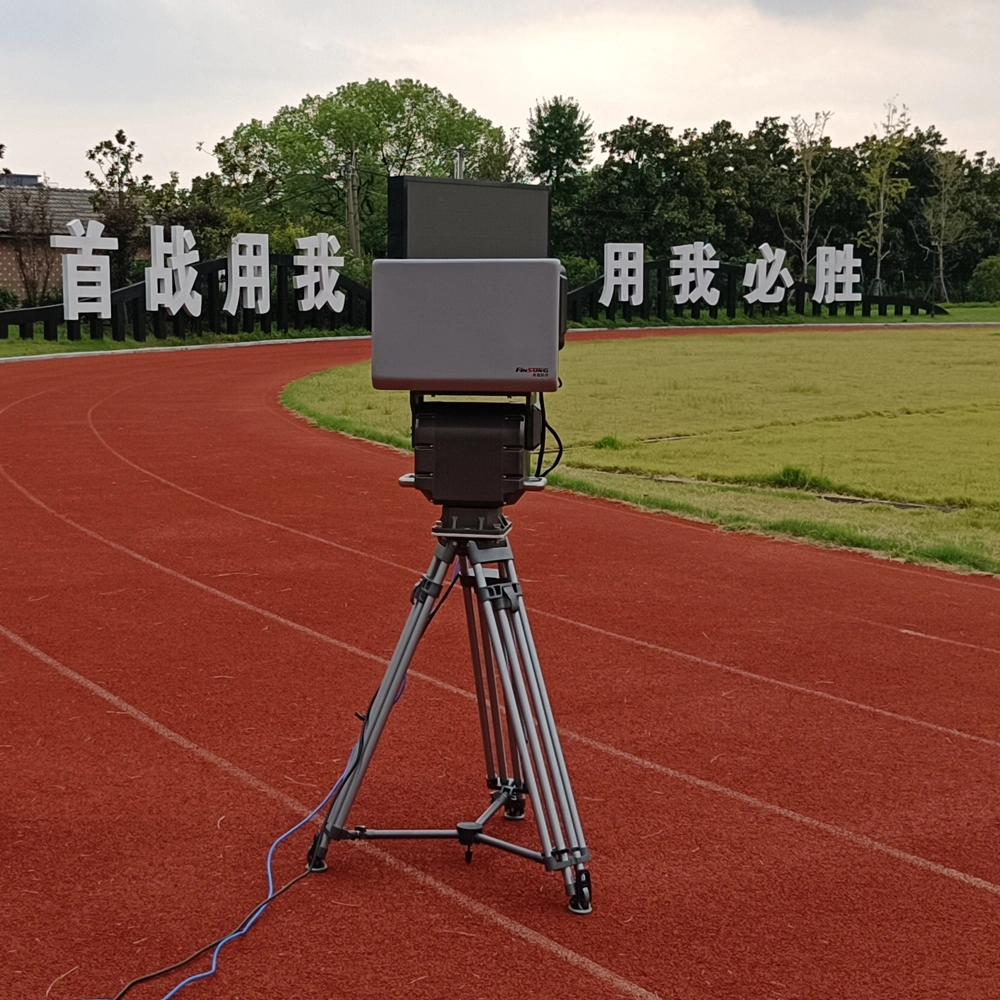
{"x": 64, "y": 204}
{"x": 19, "y": 180}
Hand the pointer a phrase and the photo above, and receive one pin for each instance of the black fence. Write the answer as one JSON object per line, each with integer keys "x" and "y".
{"x": 658, "y": 300}
{"x": 129, "y": 317}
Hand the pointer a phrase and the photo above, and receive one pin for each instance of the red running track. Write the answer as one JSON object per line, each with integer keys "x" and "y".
{"x": 786, "y": 757}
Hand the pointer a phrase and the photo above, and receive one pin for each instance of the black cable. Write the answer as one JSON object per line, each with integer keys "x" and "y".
{"x": 559, "y": 454}
{"x": 208, "y": 947}
{"x": 437, "y": 607}
{"x": 541, "y": 449}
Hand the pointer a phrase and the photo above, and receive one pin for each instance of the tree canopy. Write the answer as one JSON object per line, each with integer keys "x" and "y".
{"x": 922, "y": 216}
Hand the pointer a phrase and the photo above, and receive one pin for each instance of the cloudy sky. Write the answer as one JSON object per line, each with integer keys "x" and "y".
{"x": 175, "y": 73}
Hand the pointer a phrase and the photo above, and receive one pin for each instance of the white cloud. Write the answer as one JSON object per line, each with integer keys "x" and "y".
{"x": 176, "y": 72}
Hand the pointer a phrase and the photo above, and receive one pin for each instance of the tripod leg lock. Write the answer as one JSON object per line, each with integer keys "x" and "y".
{"x": 567, "y": 857}
{"x": 504, "y": 596}
{"x": 425, "y": 589}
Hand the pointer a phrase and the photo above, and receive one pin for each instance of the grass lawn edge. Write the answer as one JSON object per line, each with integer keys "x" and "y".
{"x": 820, "y": 533}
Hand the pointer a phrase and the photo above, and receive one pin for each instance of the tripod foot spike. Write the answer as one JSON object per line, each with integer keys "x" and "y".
{"x": 580, "y": 901}
{"x": 316, "y": 858}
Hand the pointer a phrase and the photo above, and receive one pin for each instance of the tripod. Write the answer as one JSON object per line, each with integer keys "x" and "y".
{"x": 524, "y": 759}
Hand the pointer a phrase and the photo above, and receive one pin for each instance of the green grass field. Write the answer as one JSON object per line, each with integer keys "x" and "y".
{"x": 747, "y": 430}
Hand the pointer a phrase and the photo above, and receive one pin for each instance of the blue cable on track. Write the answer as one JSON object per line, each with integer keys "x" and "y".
{"x": 240, "y": 931}
{"x": 244, "y": 927}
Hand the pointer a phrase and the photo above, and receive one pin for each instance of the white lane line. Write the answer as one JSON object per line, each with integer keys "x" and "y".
{"x": 225, "y": 507}
{"x": 24, "y": 399}
{"x": 612, "y": 979}
{"x": 581, "y": 962}
{"x": 787, "y": 685}
{"x": 690, "y": 657}
{"x": 112, "y": 352}
{"x": 842, "y": 833}
{"x": 858, "y": 839}
{"x": 270, "y": 615}
{"x": 932, "y": 638}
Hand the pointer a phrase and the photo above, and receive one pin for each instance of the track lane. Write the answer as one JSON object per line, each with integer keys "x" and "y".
{"x": 784, "y": 936}
{"x": 157, "y": 536}
{"x": 702, "y": 726}
{"x": 176, "y": 854}
{"x": 942, "y": 611}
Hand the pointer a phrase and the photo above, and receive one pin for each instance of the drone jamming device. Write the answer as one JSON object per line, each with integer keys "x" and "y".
{"x": 484, "y": 327}
{"x": 495, "y": 326}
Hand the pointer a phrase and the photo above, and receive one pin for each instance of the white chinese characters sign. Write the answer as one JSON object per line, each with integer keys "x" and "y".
{"x": 762, "y": 277}
{"x": 694, "y": 269}
{"x": 319, "y": 261}
{"x": 622, "y": 273}
{"x": 248, "y": 276}
{"x": 170, "y": 281}
{"x": 837, "y": 274}
{"x": 86, "y": 276}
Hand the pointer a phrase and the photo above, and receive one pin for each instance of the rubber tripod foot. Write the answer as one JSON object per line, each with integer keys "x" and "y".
{"x": 579, "y": 902}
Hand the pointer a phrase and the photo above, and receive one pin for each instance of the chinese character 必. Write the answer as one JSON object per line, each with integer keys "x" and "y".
{"x": 249, "y": 273}
{"x": 622, "y": 273}
{"x": 693, "y": 280}
{"x": 86, "y": 277}
{"x": 170, "y": 281}
{"x": 319, "y": 276}
{"x": 763, "y": 276}
{"x": 837, "y": 268}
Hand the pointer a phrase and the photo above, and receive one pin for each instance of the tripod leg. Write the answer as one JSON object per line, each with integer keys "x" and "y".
{"x": 492, "y": 778}
{"x": 521, "y": 732}
{"x": 424, "y": 595}
{"x": 514, "y": 809}
{"x": 540, "y": 696}
{"x": 528, "y": 705}
{"x": 577, "y": 847}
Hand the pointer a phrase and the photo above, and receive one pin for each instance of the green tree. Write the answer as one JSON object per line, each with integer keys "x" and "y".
{"x": 883, "y": 187}
{"x": 764, "y": 169}
{"x": 945, "y": 218}
{"x": 329, "y": 158}
{"x": 556, "y": 151}
{"x": 985, "y": 283}
{"x": 120, "y": 198}
{"x": 213, "y": 225}
{"x": 811, "y": 147}
{"x": 559, "y": 143}
{"x": 502, "y": 159}
{"x": 649, "y": 190}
